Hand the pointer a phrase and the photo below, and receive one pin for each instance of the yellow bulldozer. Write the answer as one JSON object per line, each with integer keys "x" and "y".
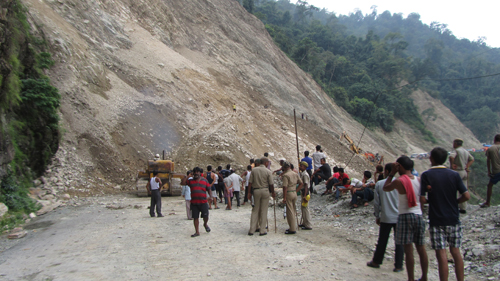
{"x": 170, "y": 181}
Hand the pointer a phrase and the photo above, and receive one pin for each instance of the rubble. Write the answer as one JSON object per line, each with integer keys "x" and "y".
{"x": 17, "y": 233}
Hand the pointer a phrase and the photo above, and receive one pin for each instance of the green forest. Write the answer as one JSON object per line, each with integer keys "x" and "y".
{"x": 370, "y": 64}
{"x": 29, "y": 107}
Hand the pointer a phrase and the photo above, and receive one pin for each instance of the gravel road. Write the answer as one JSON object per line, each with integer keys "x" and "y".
{"x": 113, "y": 237}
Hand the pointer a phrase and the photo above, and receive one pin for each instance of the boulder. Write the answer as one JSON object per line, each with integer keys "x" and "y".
{"x": 47, "y": 207}
{"x": 3, "y": 209}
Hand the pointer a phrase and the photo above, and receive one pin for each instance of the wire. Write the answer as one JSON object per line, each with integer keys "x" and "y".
{"x": 400, "y": 87}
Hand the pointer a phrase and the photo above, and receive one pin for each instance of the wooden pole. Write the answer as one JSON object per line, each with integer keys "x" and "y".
{"x": 298, "y": 159}
{"x": 274, "y": 215}
{"x": 296, "y": 138}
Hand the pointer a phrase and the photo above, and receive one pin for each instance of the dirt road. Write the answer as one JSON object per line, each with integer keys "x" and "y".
{"x": 95, "y": 242}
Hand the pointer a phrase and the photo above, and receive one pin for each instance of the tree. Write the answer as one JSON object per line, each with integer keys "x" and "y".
{"x": 248, "y": 5}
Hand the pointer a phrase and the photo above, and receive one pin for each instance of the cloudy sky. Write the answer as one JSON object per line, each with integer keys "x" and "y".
{"x": 465, "y": 19}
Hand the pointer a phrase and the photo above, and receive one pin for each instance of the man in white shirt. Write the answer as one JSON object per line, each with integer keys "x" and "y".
{"x": 236, "y": 180}
{"x": 317, "y": 157}
{"x": 153, "y": 188}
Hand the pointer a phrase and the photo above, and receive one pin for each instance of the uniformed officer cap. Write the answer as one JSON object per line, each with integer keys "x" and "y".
{"x": 286, "y": 164}
{"x": 304, "y": 163}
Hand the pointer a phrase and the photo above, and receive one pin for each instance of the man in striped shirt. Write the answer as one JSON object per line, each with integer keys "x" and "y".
{"x": 199, "y": 204}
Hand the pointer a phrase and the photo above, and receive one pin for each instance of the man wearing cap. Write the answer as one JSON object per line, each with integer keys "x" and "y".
{"x": 261, "y": 185}
{"x": 290, "y": 182}
{"x": 460, "y": 161}
{"x": 304, "y": 176}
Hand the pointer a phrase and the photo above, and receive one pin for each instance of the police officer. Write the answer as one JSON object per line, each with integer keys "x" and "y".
{"x": 262, "y": 184}
{"x": 290, "y": 182}
{"x": 304, "y": 176}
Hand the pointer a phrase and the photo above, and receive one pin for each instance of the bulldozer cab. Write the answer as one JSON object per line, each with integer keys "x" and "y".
{"x": 170, "y": 182}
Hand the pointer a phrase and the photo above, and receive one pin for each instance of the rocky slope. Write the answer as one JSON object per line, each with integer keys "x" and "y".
{"x": 139, "y": 77}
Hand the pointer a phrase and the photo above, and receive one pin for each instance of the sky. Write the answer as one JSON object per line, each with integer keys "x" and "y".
{"x": 470, "y": 19}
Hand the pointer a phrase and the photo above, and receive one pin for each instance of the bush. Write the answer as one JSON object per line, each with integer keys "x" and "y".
{"x": 15, "y": 196}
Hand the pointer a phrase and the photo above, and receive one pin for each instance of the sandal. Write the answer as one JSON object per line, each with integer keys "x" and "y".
{"x": 207, "y": 228}
{"x": 397, "y": 269}
{"x": 484, "y": 205}
{"x": 371, "y": 264}
{"x": 366, "y": 204}
{"x": 290, "y": 232}
{"x": 196, "y": 234}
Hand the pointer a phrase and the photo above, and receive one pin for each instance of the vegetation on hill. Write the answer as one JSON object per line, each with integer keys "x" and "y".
{"x": 361, "y": 61}
{"x": 28, "y": 109}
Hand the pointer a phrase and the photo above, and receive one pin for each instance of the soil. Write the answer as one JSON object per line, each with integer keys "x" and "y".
{"x": 113, "y": 237}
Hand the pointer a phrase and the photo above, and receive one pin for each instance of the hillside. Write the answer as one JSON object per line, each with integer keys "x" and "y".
{"x": 140, "y": 77}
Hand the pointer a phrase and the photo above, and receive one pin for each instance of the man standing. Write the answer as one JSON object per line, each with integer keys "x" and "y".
{"x": 386, "y": 214}
{"x": 228, "y": 191}
{"x": 309, "y": 169}
{"x": 460, "y": 161}
{"x": 236, "y": 183}
{"x": 441, "y": 186}
{"x": 317, "y": 156}
{"x": 246, "y": 176}
{"x": 493, "y": 164}
{"x": 212, "y": 181}
{"x": 268, "y": 165}
{"x": 411, "y": 225}
{"x": 220, "y": 184}
{"x": 304, "y": 176}
{"x": 199, "y": 188}
{"x": 262, "y": 184}
{"x": 290, "y": 182}
{"x": 153, "y": 188}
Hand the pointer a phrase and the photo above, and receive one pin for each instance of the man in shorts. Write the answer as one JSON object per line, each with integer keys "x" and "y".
{"x": 411, "y": 225}
{"x": 199, "y": 204}
{"x": 493, "y": 165}
{"x": 441, "y": 186}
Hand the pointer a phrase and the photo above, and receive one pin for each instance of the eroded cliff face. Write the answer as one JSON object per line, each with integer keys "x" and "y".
{"x": 138, "y": 77}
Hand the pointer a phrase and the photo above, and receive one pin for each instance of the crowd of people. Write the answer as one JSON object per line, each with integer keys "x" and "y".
{"x": 398, "y": 202}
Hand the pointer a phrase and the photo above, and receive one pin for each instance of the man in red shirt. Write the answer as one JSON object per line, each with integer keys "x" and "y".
{"x": 342, "y": 183}
{"x": 199, "y": 203}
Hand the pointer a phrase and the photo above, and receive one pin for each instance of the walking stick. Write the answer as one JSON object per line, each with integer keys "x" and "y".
{"x": 274, "y": 215}
{"x": 297, "y": 217}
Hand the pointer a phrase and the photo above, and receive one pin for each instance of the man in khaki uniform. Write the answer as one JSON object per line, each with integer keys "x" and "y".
{"x": 290, "y": 182}
{"x": 493, "y": 165}
{"x": 304, "y": 177}
{"x": 460, "y": 161}
{"x": 262, "y": 184}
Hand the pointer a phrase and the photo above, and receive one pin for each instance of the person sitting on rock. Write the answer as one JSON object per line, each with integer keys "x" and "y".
{"x": 322, "y": 173}
{"x": 362, "y": 189}
{"x": 342, "y": 183}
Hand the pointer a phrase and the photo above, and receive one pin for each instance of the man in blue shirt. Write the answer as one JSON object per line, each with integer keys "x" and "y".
{"x": 441, "y": 184}
{"x": 309, "y": 168}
